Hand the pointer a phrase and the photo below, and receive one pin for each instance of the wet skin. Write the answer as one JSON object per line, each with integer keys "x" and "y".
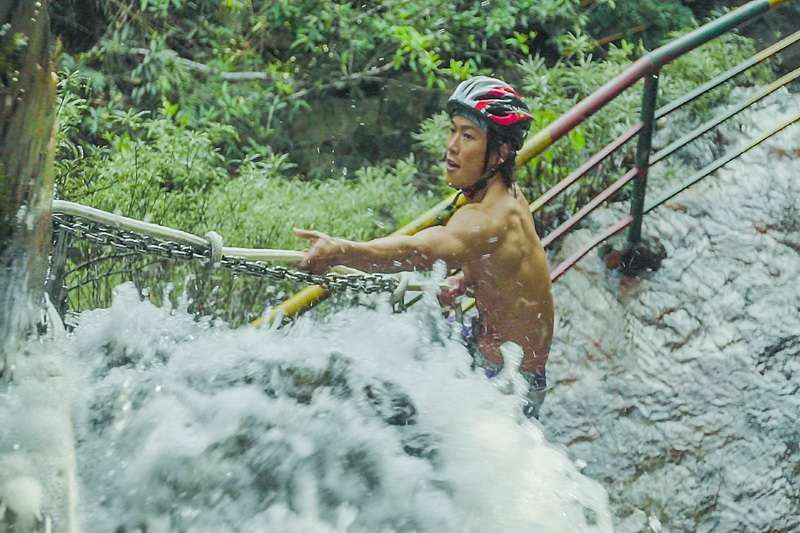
{"x": 492, "y": 239}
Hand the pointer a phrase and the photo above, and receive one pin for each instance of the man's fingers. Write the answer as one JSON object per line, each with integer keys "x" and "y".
{"x": 308, "y": 234}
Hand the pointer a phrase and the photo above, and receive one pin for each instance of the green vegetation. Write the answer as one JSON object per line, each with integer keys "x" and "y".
{"x": 250, "y": 118}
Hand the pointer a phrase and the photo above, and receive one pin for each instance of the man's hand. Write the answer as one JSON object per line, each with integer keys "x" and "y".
{"x": 456, "y": 286}
{"x": 325, "y": 251}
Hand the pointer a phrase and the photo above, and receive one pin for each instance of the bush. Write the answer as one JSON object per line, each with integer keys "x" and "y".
{"x": 157, "y": 123}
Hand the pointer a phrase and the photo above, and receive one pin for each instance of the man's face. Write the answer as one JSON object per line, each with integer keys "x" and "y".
{"x": 466, "y": 151}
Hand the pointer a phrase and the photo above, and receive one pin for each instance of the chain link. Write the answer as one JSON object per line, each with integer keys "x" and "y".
{"x": 127, "y": 240}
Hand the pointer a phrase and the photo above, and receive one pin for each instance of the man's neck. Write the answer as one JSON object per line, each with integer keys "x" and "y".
{"x": 493, "y": 183}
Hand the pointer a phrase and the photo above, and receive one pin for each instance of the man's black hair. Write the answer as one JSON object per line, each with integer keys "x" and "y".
{"x": 493, "y": 144}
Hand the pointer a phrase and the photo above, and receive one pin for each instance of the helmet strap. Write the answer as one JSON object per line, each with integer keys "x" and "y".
{"x": 473, "y": 190}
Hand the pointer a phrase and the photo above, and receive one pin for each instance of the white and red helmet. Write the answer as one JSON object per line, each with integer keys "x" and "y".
{"x": 494, "y": 105}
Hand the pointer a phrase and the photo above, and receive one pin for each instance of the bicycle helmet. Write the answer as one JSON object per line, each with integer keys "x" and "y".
{"x": 494, "y": 105}
{"x": 497, "y": 108}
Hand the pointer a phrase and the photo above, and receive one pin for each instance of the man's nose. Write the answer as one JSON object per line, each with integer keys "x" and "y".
{"x": 452, "y": 144}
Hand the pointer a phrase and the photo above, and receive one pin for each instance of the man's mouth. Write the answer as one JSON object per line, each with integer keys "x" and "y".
{"x": 452, "y": 165}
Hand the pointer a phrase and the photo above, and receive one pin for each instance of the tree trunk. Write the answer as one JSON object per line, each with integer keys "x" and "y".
{"x": 27, "y": 111}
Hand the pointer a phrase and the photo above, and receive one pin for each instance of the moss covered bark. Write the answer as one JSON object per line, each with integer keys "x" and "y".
{"x": 27, "y": 98}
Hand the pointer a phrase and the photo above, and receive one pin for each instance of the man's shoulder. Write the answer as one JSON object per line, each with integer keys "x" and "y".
{"x": 474, "y": 214}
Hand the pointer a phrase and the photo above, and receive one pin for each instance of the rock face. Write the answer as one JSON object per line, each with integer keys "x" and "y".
{"x": 679, "y": 390}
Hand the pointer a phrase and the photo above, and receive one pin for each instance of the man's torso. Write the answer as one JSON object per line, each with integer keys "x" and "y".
{"x": 512, "y": 284}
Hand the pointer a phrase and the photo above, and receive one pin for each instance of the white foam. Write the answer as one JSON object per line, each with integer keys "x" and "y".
{"x": 183, "y": 423}
{"x": 23, "y": 496}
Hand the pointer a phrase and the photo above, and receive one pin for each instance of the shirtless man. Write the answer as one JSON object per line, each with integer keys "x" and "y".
{"x": 492, "y": 238}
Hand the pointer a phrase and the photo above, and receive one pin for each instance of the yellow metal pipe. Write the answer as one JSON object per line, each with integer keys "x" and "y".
{"x": 533, "y": 147}
{"x": 295, "y": 304}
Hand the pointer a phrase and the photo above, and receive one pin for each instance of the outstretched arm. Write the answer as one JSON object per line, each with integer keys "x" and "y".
{"x": 467, "y": 236}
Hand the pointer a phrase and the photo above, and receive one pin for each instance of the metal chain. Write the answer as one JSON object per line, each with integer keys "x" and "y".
{"x": 121, "y": 239}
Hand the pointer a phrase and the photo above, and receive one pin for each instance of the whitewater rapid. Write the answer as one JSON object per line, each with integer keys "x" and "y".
{"x": 676, "y": 391}
{"x": 360, "y": 421}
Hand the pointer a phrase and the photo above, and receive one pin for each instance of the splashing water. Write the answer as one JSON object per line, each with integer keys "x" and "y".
{"x": 362, "y": 421}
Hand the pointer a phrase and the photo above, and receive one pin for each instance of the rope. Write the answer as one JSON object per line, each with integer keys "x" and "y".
{"x": 216, "y": 241}
{"x": 108, "y": 229}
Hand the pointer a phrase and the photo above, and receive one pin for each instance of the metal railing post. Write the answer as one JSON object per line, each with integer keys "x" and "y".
{"x": 55, "y": 287}
{"x": 643, "y": 156}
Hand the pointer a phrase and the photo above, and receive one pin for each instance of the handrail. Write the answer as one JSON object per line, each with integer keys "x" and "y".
{"x": 584, "y": 169}
{"x": 728, "y": 75}
{"x": 213, "y": 244}
{"x": 596, "y": 202}
{"x": 716, "y": 121}
{"x": 627, "y": 220}
{"x": 611, "y": 147}
{"x": 648, "y": 64}
{"x": 722, "y": 161}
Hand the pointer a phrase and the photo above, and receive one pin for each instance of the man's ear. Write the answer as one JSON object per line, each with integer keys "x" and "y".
{"x": 503, "y": 153}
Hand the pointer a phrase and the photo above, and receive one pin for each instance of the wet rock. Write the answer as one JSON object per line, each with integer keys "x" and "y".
{"x": 391, "y": 404}
{"x": 691, "y": 415}
{"x": 421, "y": 445}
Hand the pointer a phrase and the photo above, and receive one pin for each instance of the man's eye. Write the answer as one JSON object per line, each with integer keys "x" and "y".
{"x": 468, "y": 136}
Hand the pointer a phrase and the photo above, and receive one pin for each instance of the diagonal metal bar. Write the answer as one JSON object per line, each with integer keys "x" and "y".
{"x": 564, "y": 266}
{"x": 650, "y": 62}
{"x": 712, "y": 84}
{"x": 716, "y": 121}
{"x": 584, "y": 169}
{"x": 716, "y": 165}
{"x": 591, "y": 206}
